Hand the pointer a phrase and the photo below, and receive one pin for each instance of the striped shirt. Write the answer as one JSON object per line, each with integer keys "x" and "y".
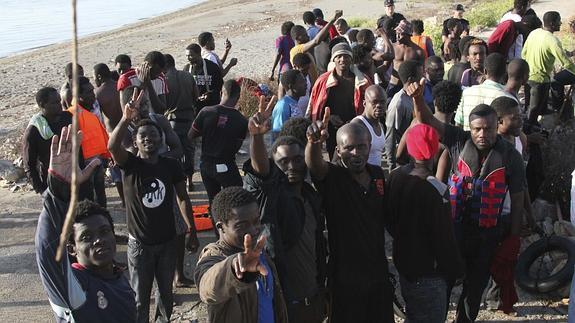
{"x": 475, "y": 95}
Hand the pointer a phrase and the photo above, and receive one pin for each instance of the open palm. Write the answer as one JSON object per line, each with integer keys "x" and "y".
{"x": 61, "y": 157}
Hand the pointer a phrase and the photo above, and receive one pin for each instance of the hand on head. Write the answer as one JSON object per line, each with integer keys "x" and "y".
{"x": 317, "y": 131}
{"x": 144, "y": 72}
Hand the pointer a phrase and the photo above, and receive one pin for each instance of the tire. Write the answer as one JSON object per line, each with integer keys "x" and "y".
{"x": 537, "y": 249}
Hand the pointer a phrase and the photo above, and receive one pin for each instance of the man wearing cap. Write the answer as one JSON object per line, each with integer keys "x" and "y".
{"x": 485, "y": 168}
{"x": 390, "y": 14}
{"x": 341, "y": 90}
{"x": 405, "y": 49}
{"x": 458, "y": 16}
{"x": 425, "y": 251}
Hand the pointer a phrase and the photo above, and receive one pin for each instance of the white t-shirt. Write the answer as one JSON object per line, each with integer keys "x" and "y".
{"x": 211, "y": 56}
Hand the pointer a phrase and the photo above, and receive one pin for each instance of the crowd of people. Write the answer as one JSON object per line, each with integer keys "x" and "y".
{"x": 438, "y": 150}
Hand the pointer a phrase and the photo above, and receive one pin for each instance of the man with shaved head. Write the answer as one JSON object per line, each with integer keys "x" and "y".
{"x": 374, "y": 110}
{"x": 352, "y": 193}
{"x": 517, "y": 76}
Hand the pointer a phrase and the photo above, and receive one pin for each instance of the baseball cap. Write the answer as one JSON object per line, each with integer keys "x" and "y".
{"x": 459, "y": 7}
{"x": 389, "y": 3}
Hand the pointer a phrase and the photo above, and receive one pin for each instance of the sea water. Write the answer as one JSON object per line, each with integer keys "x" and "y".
{"x": 29, "y": 24}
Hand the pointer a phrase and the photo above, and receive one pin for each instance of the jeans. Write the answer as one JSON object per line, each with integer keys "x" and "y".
{"x": 214, "y": 181}
{"x": 146, "y": 263}
{"x": 558, "y": 87}
{"x": 538, "y": 97}
{"x": 425, "y": 299}
{"x": 477, "y": 247}
{"x": 181, "y": 129}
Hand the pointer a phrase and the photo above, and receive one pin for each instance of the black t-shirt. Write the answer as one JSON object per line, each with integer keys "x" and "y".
{"x": 355, "y": 222}
{"x": 214, "y": 81}
{"x": 456, "y": 72}
{"x": 322, "y": 56}
{"x": 340, "y": 99}
{"x": 223, "y": 130}
{"x": 149, "y": 192}
{"x": 464, "y": 25}
{"x": 455, "y": 138}
{"x": 423, "y": 239}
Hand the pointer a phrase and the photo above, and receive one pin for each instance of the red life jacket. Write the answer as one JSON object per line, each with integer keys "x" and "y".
{"x": 478, "y": 190}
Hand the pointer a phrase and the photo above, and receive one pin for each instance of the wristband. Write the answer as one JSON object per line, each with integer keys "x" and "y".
{"x": 58, "y": 176}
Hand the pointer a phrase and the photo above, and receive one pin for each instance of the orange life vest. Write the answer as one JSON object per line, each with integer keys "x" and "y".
{"x": 94, "y": 135}
{"x": 421, "y": 41}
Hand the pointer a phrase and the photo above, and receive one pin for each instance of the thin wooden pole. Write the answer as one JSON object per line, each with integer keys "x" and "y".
{"x": 74, "y": 185}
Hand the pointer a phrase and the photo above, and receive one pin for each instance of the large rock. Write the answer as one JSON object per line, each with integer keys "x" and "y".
{"x": 10, "y": 172}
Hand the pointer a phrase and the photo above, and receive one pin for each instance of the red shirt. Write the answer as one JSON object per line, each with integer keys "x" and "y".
{"x": 332, "y": 31}
{"x": 502, "y": 38}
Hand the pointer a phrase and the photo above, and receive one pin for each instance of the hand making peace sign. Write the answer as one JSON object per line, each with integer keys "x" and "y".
{"x": 259, "y": 123}
{"x": 131, "y": 109}
{"x": 248, "y": 261}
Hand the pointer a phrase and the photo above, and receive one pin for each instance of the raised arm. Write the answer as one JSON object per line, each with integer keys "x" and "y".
{"x": 118, "y": 152}
{"x": 322, "y": 33}
{"x": 316, "y": 136}
{"x": 258, "y": 126}
{"x": 420, "y": 109}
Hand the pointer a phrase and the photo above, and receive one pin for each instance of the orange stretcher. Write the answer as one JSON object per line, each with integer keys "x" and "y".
{"x": 202, "y": 218}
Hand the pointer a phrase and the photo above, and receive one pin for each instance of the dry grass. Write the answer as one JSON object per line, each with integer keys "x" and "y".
{"x": 248, "y": 104}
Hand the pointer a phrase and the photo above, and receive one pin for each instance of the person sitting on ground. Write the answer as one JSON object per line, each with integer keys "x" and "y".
{"x": 122, "y": 64}
{"x": 352, "y": 186}
{"x": 151, "y": 78}
{"x": 66, "y": 89}
{"x": 475, "y": 75}
{"x": 153, "y": 184}
{"x": 309, "y": 21}
{"x": 291, "y": 210}
{"x": 305, "y": 45}
{"x": 95, "y": 139}
{"x": 374, "y": 103}
{"x": 223, "y": 130}
{"x": 453, "y": 37}
{"x": 400, "y": 110}
{"x": 206, "y": 40}
{"x": 320, "y": 22}
{"x": 207, "y": 75}
{"x": 91, "y": 288}
{"x": 504, "y": 39}
{"x": 434, "y": 72}
{"x": 394, "y": 17}
{"x": 341, "y": 89}
{"x": 425, "y": 251}
{"x": 494, "y": 167}
{"x": 108, "y": 97}
{"x": 456, "y": 71}
{"x": 404, "y": 50}
{"x": 485, "y": 92}
{"x": 542, "y": 50}
{"x": 457, "y": 17}
{"x": 284, "y": 44}
{"x": 424, "y": 42}
{"x": 38, "y": 135}
{"x": 294, "y": 84}
{"x": 235, "y": 276}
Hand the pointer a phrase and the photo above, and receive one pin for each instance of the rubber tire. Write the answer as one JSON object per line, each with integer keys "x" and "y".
{"x": 534, "y": 251}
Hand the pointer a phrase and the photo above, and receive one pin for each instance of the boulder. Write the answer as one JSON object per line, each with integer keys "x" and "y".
{"x": 10, "y": 172}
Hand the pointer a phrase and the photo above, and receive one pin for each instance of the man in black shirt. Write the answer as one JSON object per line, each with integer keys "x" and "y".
{"x": 425, "y": 252}
{"x": 456, "y": 71}
{"x": 458, "y": 16}
{"x": 395, "y": 17}
{"x": 150, "y": 182}
{"x": 208, "y": 77}
{"x": 485, "y": 168}
{"x": 38, "y": 135}
{"x": 353, "y": 196}
{"x": 291, "y": 210}
{"x": 223, "y": 130}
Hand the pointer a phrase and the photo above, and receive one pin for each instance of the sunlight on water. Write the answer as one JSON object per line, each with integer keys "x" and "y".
{"x": 27, "y": 24}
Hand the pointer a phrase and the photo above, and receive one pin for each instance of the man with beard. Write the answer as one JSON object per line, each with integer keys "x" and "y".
{"x": 485, "y": 166}
{"x": 353, "y": 196}
{"x": 290, "y": 210}
{"x": 374, "y": 104}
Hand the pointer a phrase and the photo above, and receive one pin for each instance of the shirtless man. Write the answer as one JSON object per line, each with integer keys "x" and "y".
{"x": 404, "y": 50}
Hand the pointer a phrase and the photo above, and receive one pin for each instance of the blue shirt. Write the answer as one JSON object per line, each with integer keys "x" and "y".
{"x": 428, "y": 95}
{"x": 265, "y": 285}
{"x": 282, "y": 112}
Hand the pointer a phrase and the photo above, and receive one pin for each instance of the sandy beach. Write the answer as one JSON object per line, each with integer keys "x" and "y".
{"x": 251, "y": 26}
